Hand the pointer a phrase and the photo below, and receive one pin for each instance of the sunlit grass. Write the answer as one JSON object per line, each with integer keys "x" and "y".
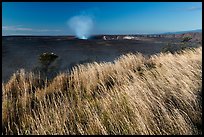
{"x": 132, "y": 95}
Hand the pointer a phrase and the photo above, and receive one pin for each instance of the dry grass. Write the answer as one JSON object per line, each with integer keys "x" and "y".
{"x": 133, "y": 95}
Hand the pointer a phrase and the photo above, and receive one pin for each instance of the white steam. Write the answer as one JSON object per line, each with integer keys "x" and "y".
{"x": 81, "y": 25}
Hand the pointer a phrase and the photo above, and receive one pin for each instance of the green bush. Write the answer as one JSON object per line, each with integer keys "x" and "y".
{"x": 47, "y": 58}
{"x": 186, "y": 39}
{"x": 168, "y": 48}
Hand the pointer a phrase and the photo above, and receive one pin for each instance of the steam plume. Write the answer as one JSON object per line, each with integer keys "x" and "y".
{"x": 81, "y": 25}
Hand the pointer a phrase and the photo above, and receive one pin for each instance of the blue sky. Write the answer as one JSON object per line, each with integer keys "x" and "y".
{"x": 51, "y": 18}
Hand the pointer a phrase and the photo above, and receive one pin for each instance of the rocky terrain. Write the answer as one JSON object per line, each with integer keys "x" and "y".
{"x": 24, "y": 51}
{"x": 197, "y": 36}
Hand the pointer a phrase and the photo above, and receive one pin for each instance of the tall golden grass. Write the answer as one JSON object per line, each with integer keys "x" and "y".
{"x": 159, "y": 95}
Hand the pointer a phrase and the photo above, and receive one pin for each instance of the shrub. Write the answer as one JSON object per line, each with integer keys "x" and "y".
{"x": 47, "y": 58}
{"x": 168, "y": 48}
{"x": 186, "y": 39}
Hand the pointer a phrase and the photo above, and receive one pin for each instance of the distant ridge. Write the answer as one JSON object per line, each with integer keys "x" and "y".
{"x": 177, "y": 32}
{"x": 180, "y": 32}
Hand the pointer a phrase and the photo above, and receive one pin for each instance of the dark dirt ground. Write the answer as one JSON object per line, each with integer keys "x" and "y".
{"x": 23, "y": 52}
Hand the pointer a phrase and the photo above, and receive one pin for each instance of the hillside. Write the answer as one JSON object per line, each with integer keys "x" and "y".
{"x": 159, "y": 95}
